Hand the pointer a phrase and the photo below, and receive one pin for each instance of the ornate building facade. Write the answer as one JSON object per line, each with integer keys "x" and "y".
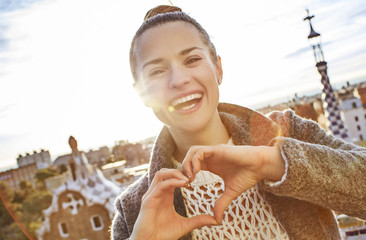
{"x": 82, "y": 207}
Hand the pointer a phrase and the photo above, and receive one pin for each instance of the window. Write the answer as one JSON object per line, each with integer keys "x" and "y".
{"x": 356, "y": 119}
{"x": 354, "y": 105}
{"x": 352, "y": 233}
{"x": 97, "y": 222}
{"x": 361, "y": 137}
{"x": 64, "y": 231}
{"x": 358, "y": 127}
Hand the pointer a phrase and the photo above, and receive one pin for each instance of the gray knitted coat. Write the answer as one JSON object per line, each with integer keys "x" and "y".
{"x": 323, "y": 173}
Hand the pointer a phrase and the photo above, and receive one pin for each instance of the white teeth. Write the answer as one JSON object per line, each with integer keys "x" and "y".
{"x": 188, "y": 107}
{"x": 186, "y": 99}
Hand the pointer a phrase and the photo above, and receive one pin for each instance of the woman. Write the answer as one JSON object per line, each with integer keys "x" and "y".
{"x": 221, "y": 171}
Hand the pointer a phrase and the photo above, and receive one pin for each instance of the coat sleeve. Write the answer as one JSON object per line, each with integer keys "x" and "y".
{"x": 119, "y": 226}
{"x": 127, "y": 207}
{"x": 320, "y": 168}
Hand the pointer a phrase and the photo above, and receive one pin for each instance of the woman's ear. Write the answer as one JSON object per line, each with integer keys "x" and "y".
{"x": 219, "y": 70}
{"x": 137, "y": 86}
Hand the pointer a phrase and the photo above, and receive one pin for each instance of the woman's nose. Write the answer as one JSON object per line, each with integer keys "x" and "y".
{"x": 178, "y": 77}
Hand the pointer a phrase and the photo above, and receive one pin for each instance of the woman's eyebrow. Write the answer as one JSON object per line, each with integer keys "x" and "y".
{"x": 155, "y": 61}
{"x": 188, "y": 50}
{"x": 182, "y": 53}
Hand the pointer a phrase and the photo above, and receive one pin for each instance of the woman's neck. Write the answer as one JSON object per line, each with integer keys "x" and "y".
{"x": 213, "y": 134}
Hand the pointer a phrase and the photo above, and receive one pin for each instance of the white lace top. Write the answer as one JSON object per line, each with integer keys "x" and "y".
{"x": 247, "y": 217}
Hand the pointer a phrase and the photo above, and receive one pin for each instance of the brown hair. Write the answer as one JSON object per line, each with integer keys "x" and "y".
{"x": 165, "y": 14}
{"x": 160, "y": 10}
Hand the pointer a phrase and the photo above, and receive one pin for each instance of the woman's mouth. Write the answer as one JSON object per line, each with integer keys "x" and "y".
{"x": 186, "y": 102}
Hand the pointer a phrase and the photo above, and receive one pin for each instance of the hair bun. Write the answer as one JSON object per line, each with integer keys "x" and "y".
{"x": 161, "y": 9}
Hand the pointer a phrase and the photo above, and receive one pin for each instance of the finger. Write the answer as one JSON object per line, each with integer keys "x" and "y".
{"x": 166, "y": 187}
{"x": 221, "y": 205}
{"x": 164, "y": 174}
{"x": 187, "y": 167}
{"x": 199, "y": 160}
{"x": 196, "y": 222}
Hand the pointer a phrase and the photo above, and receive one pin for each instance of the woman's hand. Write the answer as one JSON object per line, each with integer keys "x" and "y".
{"x": 241, "y": 167}
{"x": 157, "y": 218}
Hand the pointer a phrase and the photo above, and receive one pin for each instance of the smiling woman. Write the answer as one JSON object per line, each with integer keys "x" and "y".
{"x": 222, "y": 171}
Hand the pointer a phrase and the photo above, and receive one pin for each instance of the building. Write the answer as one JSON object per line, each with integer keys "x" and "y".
{"x": 61, "y": 160}
{"x": 354, "y": 110}
{"x": 28, "y": 165}
{"x": 98, "y": 157}
{"x": 351, "y": 228}
{"x": 134, "y": 153}
{"x": 41, "y": 159}
{"x": 352, "y": 102}
{"x": 14, "y": 176}
{"x": 82, "y": 206}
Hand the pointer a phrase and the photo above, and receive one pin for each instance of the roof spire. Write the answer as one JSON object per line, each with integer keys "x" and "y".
{"x": 312, "y": 31}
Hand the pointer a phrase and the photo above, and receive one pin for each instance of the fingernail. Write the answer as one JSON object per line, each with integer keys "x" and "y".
{"x": 188, "y": 175}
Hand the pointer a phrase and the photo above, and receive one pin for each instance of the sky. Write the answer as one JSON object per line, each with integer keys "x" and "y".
{"x": 64, "y": 66}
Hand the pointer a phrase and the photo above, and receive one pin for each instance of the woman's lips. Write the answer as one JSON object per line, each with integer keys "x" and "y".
{"x": 186, "y": 102}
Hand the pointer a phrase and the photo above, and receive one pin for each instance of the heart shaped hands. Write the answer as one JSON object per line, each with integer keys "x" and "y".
{"x": 240, "y": 167}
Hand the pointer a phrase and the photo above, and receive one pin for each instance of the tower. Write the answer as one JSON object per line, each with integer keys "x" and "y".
{"x": 331, "y": 105}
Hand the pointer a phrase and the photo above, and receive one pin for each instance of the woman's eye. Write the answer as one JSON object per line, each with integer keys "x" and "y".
{"x": 193, "y": 60}
{"x": 155, "y": 72}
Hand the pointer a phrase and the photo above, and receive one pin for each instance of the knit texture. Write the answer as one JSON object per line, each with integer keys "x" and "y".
{"x": 247, "y": 217}
{"x": 322, "y": 173}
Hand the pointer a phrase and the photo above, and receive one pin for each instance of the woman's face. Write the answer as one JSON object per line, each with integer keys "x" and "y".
{"x": 177, "y": 77}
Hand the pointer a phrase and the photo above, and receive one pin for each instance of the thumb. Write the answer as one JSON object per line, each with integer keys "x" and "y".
{"x": 221, "y": 205}
{"x": 197, "y": 222}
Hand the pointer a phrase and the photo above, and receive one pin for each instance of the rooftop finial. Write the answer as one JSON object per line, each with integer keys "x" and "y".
{"x": 312, "y": 31}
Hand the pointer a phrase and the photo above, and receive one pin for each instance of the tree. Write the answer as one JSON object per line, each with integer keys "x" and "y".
{"x": 8, "y": 210}
{"x": 62, "y": 168}
{"x": 42, "y": 174}
{"x": 6, "y": 195}
{"x": 26, "y": 206}
{"x": 26, "y": 188}
{"x": 36, "y": 202}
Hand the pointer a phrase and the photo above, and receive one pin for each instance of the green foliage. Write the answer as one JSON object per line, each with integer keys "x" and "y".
{"x": 5, "y": 218}
{"x": 6, "y": 192}
{"x": 62, "y": 168}
{"x": 25, "y": 185}
{"x": 9, "y": 229}
{"x": 26, "y": 189}
{"x": 36, "y": 202}
{"x": 363, "y": 144}
{"x": 26, "y": 206}
{"x": 19, "y": 197}
{"x": 11, "y": 232}
{"x": 42, "y": 174}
